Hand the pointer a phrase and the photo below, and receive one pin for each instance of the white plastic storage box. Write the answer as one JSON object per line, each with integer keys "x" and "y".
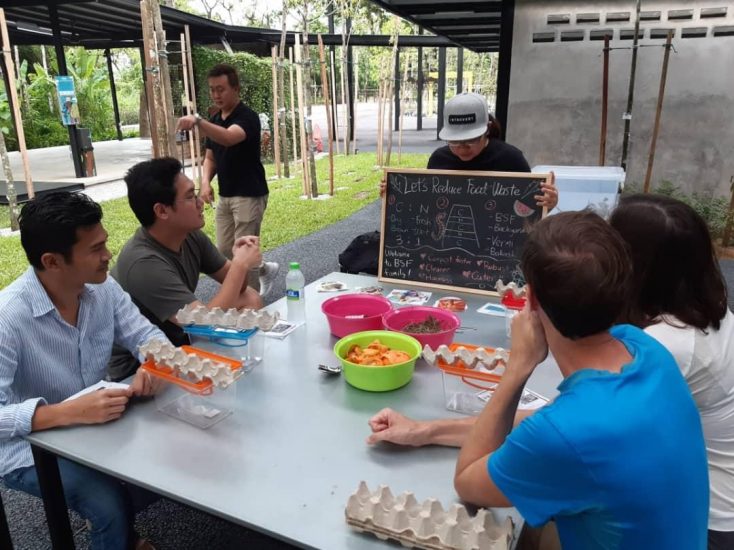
{"x": 580, "y": 187}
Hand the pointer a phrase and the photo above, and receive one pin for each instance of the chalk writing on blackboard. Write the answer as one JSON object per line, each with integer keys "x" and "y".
{"x": 456, "y": 229}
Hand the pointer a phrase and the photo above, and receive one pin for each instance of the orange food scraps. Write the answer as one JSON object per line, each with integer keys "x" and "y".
{"x": 376, "y": 355}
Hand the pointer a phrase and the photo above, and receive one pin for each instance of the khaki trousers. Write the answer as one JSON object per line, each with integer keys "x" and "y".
{"x": 237, "y": 217}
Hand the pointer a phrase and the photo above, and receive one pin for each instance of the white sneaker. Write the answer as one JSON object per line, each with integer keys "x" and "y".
{"x": 268, "y": 273}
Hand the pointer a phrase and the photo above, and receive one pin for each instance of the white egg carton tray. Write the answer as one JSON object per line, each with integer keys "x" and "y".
{"x": 427, "y": 524}
{"x": 188, "y": 365}
{"x": 503, "y": 289}
{"x": 239, "y": 319}
{"x": 471, "y": 358}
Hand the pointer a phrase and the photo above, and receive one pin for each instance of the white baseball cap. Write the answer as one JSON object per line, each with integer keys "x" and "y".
{"x": 465, "y": 116}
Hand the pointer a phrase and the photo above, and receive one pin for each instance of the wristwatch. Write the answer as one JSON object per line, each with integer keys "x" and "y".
{"x": 198, "y": 118}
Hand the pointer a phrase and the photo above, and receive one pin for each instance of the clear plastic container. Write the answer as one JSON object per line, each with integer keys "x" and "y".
{"x": 295, "y": 284}
{"x": 199, "y": 403}
{"x": 513, "y": 305}
{"x": 202, "y": 410}
{"x": 247, "y": 347}
{"x": 579, "y": 187}
{"x": 467, "y": 390}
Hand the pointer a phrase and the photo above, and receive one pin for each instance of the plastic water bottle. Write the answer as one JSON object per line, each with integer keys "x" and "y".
{"x": 295, "y": 295}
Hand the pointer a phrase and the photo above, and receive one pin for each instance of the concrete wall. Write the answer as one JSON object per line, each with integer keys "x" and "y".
{"x": 555, "y": 92}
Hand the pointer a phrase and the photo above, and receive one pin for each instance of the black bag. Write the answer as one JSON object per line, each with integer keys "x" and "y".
{"x": 362, "y": 254}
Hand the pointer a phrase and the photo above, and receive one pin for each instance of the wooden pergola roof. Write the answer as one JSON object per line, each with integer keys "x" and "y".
{"x": 100, "y": 24}
{"x": 473, "y": 24}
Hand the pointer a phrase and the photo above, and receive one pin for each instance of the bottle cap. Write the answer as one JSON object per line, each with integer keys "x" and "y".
{"x": 294, "y": 265}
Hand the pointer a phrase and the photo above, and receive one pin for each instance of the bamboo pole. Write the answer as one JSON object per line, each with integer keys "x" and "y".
{"x": 164, "y": 80}
{"x": 356, "y": 102}
{"x": 145, "y": 62}
{"x": 403, "y": 92}
{"x": 345, "y": 99}
{"x": 13, "y": 93}
{"x": 301, "y": 125}
{"x": 656, "y": 127}
{"x": 10, "y": 192}
{"x": 604, "y": 102}
{"x": 380, "y": 118}
{"x": 388, "y": 99}
{"x": 188, "y": 105}
{"x": 631, "y": 89}
{"x": 276, "y": 123}
{"x": 327, "y": 105}
{"x": 192, "y": 88}
{"x": 393, "y": 79}
{"x": 151, "y": 68}
{"x": 281, "y": 101}
{"x": 293, "y": 108}
{"x": 23, "y": 92}
{"x": 308, "y": 123}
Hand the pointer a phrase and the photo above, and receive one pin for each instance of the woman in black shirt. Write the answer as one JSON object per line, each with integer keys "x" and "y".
{"x": 474, "y": 144}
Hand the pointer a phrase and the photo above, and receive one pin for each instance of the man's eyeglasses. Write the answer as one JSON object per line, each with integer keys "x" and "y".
{"x": 465, "y": 142}
{"x": 191, "y": 198}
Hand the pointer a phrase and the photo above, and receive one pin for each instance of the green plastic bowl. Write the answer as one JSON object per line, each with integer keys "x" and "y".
{"x": 385, "y": 378}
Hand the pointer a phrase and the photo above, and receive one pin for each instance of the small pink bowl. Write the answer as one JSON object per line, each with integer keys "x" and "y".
{"x": 397, "y": 319}
{"x": 350, "y": 313}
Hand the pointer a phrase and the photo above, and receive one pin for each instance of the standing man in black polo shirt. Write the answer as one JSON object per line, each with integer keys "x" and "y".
{"x": 233, "y": 155}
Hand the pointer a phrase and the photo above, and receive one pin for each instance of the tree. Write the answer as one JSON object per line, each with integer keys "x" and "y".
{"x": 5, "y": 123}
{"x": 347, "y": 10}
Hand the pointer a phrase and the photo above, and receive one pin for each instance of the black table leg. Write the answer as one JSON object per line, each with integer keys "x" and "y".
{"x": 5, "y": 540}
{"x": 54, "y": 503}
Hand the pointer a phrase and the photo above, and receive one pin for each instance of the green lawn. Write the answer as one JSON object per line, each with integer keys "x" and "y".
{"x": 287, "y": 218}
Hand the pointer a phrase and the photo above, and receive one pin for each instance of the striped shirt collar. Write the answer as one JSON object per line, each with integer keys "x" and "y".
{"x": 38, "y": 297}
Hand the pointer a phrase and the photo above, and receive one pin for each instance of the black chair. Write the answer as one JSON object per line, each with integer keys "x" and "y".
{"x": 5, "y": 540}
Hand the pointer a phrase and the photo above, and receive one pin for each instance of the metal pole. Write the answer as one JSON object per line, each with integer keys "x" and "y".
{"x": 332, "y": 57}
{"x": 656, "y": 128}
{"x": 459, "y": 70}
{"x": 419, "y": 91}
{"x": 631, "y": 92}
{"x": 505, "y": 61}
{"x": 350, "y": 90}
{"x": 604, "y": 103}
{"x": 113, "y": 90}
{"x": 441, "y": 87}
{"x": 396, "y": 75}
{"x": 5, "y": 540}
{"x": 52, "y": 491}
{"x": 76, "y": 154}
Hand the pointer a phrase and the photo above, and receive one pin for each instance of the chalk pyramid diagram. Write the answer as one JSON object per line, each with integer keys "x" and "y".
{"x": 461, "y": 229}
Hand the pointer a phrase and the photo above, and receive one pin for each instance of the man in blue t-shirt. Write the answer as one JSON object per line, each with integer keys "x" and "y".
{"x": 618, "y": 458}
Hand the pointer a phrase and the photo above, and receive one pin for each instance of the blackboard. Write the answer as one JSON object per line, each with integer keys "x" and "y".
{"x": 455, "y": 229}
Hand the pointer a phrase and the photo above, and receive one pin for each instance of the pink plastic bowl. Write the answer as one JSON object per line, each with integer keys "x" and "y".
{"x": 352, "y": 313}
{"x": 398, "y": 318}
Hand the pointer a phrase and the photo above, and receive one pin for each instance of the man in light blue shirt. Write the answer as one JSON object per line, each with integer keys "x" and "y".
{"x": 58, "y": 322}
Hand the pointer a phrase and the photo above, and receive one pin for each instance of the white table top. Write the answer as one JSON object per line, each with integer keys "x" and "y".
{"x": 294, "y": 450}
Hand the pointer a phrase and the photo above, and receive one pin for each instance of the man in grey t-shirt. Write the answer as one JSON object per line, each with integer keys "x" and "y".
{"x": 160, "y": 265}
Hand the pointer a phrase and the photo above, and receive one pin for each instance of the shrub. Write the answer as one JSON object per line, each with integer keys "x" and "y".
{"x": 256, "y": 85}
{"x": 711, "y": 208}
